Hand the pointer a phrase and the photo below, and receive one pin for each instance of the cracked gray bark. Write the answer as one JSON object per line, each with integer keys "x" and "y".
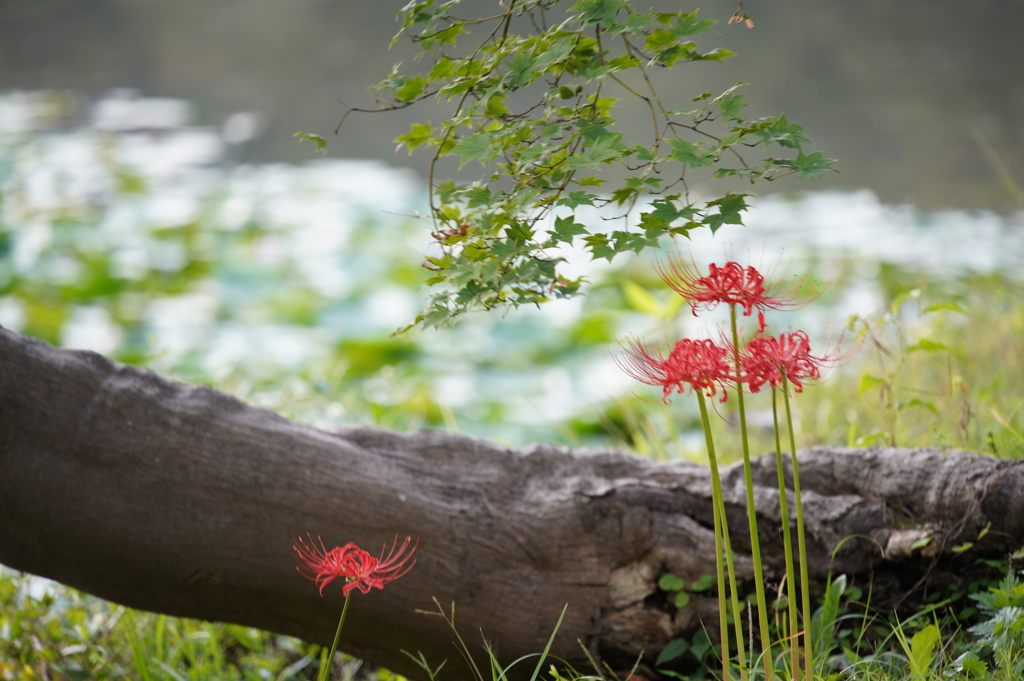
{"x": 181, "y": 500}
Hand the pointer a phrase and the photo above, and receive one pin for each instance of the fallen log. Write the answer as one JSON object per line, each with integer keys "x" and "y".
{"x": 181, "y": 500}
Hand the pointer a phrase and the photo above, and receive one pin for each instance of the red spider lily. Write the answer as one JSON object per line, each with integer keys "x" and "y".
{"x": 732, "y": 284}
{"x": 767, "y": 357}
{"x": 699, "y": 363}
{"x": 350, "y": 562}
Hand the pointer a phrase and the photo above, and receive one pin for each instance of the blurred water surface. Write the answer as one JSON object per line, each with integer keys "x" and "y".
{"x": 921, "y": 102}
{"x": 136, "y": 236}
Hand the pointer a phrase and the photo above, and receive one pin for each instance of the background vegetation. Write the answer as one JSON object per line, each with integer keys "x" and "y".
{"x": 282, "y": 285}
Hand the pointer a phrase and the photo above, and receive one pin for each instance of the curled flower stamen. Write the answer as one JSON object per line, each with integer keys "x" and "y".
{"x": 701, "y": 364}
{"x": 732, "y": 284}
{"x": 361, "y": 570}
{"x": 767, "y": 357}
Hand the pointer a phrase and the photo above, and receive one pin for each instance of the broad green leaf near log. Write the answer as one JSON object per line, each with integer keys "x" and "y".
{"x": 535, "y": 110}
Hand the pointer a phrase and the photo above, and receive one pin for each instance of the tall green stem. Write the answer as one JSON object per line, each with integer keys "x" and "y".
{"x": 722, "y": 548}
{"x": 787, "y": 542}
{"x": 734, "y": 596}
{"x": 801, "y": 540}
{"x": 325, "y": 665}
{"x": 755, "y": 546}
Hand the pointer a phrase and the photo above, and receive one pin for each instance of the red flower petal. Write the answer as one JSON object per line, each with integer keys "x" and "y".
{"x": 358, "y": 567}
{"x": 732, "y": 284}
{"x": 701, "y": 364}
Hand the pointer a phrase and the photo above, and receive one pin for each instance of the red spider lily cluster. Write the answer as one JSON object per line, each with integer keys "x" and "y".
{"x": 361, "y": 570}
{"x": 706, "y": 365}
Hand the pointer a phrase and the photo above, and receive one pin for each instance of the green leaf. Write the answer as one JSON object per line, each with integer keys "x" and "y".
{"x": 935, "y": 307}
{"x": 477, "y": 147}
{"x": 557, "y": 53}
{"x": 682, "y": 600}
{"x": 921, "y": 650}
{"x": 320, "y": 142}
{"x": 565, "y": 229}
{"x": 730, "y": 103}
{"x": 444, "y": 68}
{"x": 969, "y": 663}
{"x": 411, "y": 89}
{"x": 925, "y": 345}
{"x": 431, "y": 40}
{"x": 706, "y": 581}
{"x": 922, "y": 542}
{"x": 780, "y": 131}
{"x": 670, "y": 583}
{"x": 823, "y": 622}
{"x": 812, "y": 165}
{"x": 478, "y": 196}
{"x": 599, "y": 11}
{"x": 630, "y": 241}
{"x": 522, "y": 69}
{"x": 916, "y": 402}
{"x": 867, "y": 383}
{"x": 641, "y": 300}
{"x": 717, "y": 54}
{"x": 421, "y": 134}
{"x": 694, "y": 155}
{"x": 601, "y": 151}
{"x": 636, "y": 23}
{"x": 624, "y": 194}
{"x": 519, "y": 231}
{"x": 673, "y": 651}
{"x": 577, "y": 198}
{"x": 496, "y": 105}
{"x": 689, "y": 24}
{"x": 600, "y": 246}
{"x": 898, "y": 301}
{"x": 666, "y": 210}
{"x": 730, "y": 208}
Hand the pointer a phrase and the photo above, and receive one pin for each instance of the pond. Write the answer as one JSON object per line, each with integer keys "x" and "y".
{"x": 132, "y": 233}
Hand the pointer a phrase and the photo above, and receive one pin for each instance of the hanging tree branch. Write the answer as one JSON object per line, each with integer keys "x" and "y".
{"x": 500, "y": 237}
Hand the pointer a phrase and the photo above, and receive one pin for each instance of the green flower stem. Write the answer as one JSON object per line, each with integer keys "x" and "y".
{"x": 734, "y": 595}
{"x": 722, "y": 547}
{"x": 787, "y": 542}
{"x": 325, "y": 666}
{"x": 755, "y": 546}
{"x": 801, "y": 540}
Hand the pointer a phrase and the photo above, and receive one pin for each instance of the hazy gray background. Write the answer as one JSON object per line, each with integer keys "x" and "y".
{"x": 906, "y": 94}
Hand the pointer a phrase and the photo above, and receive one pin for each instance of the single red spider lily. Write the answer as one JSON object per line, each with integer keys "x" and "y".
{"x": 350, "y": 562}
{"x": 732, "y": 284}
{"x": 701, "y": 364}
{"x": 767, "y": 357}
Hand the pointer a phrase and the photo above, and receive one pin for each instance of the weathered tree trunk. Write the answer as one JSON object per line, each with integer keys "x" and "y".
{"x": 181, "y": 500}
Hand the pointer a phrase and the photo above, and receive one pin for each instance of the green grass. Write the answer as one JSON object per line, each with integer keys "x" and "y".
{"x": 941, "y": 366}
{"x": 64, "y": 633}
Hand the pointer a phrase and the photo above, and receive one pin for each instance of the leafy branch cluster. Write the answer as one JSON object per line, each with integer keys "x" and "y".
{"x": 535, "y": 110}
